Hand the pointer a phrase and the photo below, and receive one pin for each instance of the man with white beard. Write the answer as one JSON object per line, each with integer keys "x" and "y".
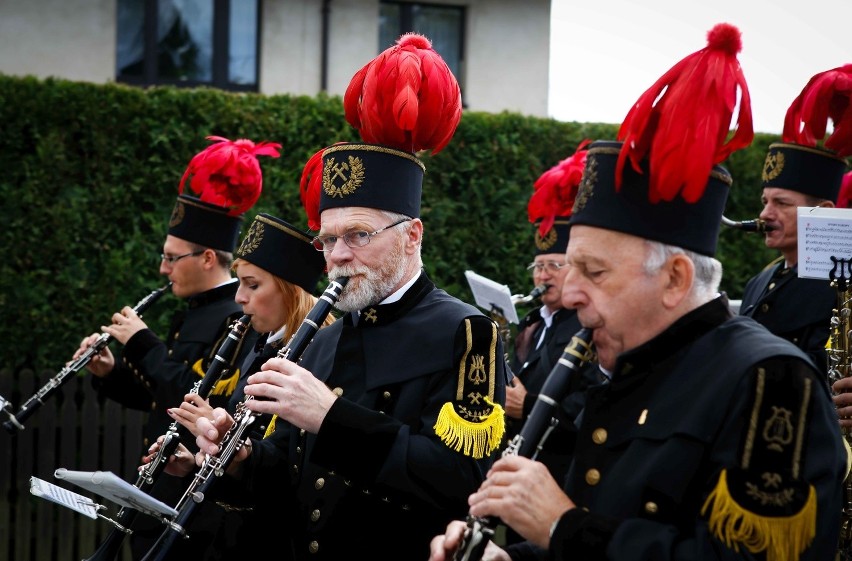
{"x": 393, "y": 415}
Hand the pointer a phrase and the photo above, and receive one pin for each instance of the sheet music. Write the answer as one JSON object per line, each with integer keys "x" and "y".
{"x": 51, "y": 492}
{"x": 112, "y": 487}
{"x": 489, "y": 295}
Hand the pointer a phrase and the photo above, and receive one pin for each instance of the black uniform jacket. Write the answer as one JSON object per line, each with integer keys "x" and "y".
{"x": 558, "y": 448}
{"x": 712, "y": 399}
{"x": 798, "y": 310}
{"x": 378, "y": 482}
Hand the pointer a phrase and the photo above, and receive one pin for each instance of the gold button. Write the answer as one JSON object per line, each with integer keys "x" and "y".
{"x": 338, "y": 391}
{"x": 764, "y": 307}
{"x": 171, "y": 351}
{"x": 386, "y": 395}
{"x": 771, "y": 285}
{"x": 295, "y": 468}
{"x": 319, "y": 483}
{"x": 315, "y": 515}
{"x": 651, "y": 507}
{"x": 593, "y": 476}
{"x": 599, "y": 436}
{"x": 302, "y": 432}
{"x": 298, "y": 449}
{"x": 313, "y": 547}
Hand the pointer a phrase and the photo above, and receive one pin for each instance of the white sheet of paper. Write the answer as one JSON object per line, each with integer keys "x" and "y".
{"x": 112, "y": 487}
{"x": 823, "y": 233}
{"x": 64, "y": 497}
{"x": 490, "y": 294}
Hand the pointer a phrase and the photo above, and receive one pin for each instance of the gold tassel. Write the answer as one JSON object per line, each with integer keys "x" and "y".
{"x": 783, "y": 537}
{"x": 477, "y": 439}
{"x": 227, "y": 385}
{"x": 271, "y": 428}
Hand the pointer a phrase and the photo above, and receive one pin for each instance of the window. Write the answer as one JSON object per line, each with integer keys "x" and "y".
{"x": 188, "y": 43}
{"x": 441, "y": 24}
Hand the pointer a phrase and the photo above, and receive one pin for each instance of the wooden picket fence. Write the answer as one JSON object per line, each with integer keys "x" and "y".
{"x": 73, "y": 430}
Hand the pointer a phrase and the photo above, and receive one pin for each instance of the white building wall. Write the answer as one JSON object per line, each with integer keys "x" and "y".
{"x": 73, "y": 39}
{"x": 507, "y": 45}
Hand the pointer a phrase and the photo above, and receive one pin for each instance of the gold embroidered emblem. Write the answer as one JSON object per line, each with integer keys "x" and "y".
{"x": 252, "y": 240}
{"x": 371, "y": 315}
{"x": 587, "y": 185}
{"x": 477, "y": 373}
{"x": 178, "y": 214}
{"x": 339, "y": 180}
{"x": 546, "y": 242}
{"x": 773, "y": 166}
{"x": 778, "y": 430}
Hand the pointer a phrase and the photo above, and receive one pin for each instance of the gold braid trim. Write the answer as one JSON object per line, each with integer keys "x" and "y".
{"x": 225, "y": 386}
{"x": 478, "y": 439}
{"x": 782, "y": 537}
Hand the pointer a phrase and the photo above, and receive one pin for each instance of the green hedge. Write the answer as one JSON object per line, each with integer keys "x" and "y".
{"x": 90, "y": 174}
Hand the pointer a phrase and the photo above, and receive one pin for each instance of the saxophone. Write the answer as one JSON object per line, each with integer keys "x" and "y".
{"x": 839, "y": 367}
{"x": 246, "y": 424}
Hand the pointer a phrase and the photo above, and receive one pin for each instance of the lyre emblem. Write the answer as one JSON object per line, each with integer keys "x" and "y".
{"x": 778, "y": 430}
{"x": 477, "y": 370}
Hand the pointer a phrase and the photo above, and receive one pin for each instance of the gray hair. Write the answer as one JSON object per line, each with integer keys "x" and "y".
{"x": 708, "y": 270}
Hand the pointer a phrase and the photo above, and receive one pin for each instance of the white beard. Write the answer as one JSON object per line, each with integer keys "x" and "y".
{"x": 368, "y": 286}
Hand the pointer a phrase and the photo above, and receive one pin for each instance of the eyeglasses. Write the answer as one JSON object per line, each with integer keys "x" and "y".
{"x": 552, "y": 267}
{"x": 354, "y": 238}
{"x": 172, "y": 260}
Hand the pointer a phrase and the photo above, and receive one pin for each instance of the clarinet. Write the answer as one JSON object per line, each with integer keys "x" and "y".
{"x": 16, "y": 421}
{"x": 247, "y": 424}
{"x": 529, "y": 441}
{"x": 220, "y": 365}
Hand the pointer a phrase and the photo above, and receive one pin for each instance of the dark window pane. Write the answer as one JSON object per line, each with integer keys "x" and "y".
{"x": 443, "y": 27}
{"x": 130, "y": 44}
{"x": 242, "y": 43}
{"x": 389, "y": 25}
{"x": 185, "y": 39}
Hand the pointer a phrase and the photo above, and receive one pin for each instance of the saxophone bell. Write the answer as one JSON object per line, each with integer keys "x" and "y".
{"x": 756, "y": 225}
{"x": 536, "y": 292}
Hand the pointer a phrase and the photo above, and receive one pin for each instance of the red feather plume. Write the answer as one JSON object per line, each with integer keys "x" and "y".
{"x": 681, "y": 123}
{"x": 844, "y": 198}
{"x": 227, "y": 174}
{"x": 309, "y": 188}
{"x": 827, "y": 95}
{"x": 406, "y": 98}
{"x": 555, "y": 190}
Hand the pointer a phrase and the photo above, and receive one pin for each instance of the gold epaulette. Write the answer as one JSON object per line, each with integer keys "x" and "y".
{"x": 473, "y": 423}
{"x": 225, "y": 386}
{"x": 764, "y": 504}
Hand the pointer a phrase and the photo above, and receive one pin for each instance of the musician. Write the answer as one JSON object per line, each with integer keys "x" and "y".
{"x": 153, "y": 373}
{"x": 796, "y": 173}
{"x": 714, "y": 439}
{"x": 278, "y": 271}
{"x": 393, "y": 414}
{"x": 545, "y": 331}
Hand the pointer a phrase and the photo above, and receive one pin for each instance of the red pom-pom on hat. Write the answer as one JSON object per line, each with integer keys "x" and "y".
{"x": 227, "y": 173}
{"x": 682, "y": 122}
{"x": 555, "y": 190}
{"x": 406, "y": 98}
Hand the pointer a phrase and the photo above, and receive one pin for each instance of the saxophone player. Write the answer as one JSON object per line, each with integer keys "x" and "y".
{"x": 798, "y": 172}
{"x": 687, "y": 451}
